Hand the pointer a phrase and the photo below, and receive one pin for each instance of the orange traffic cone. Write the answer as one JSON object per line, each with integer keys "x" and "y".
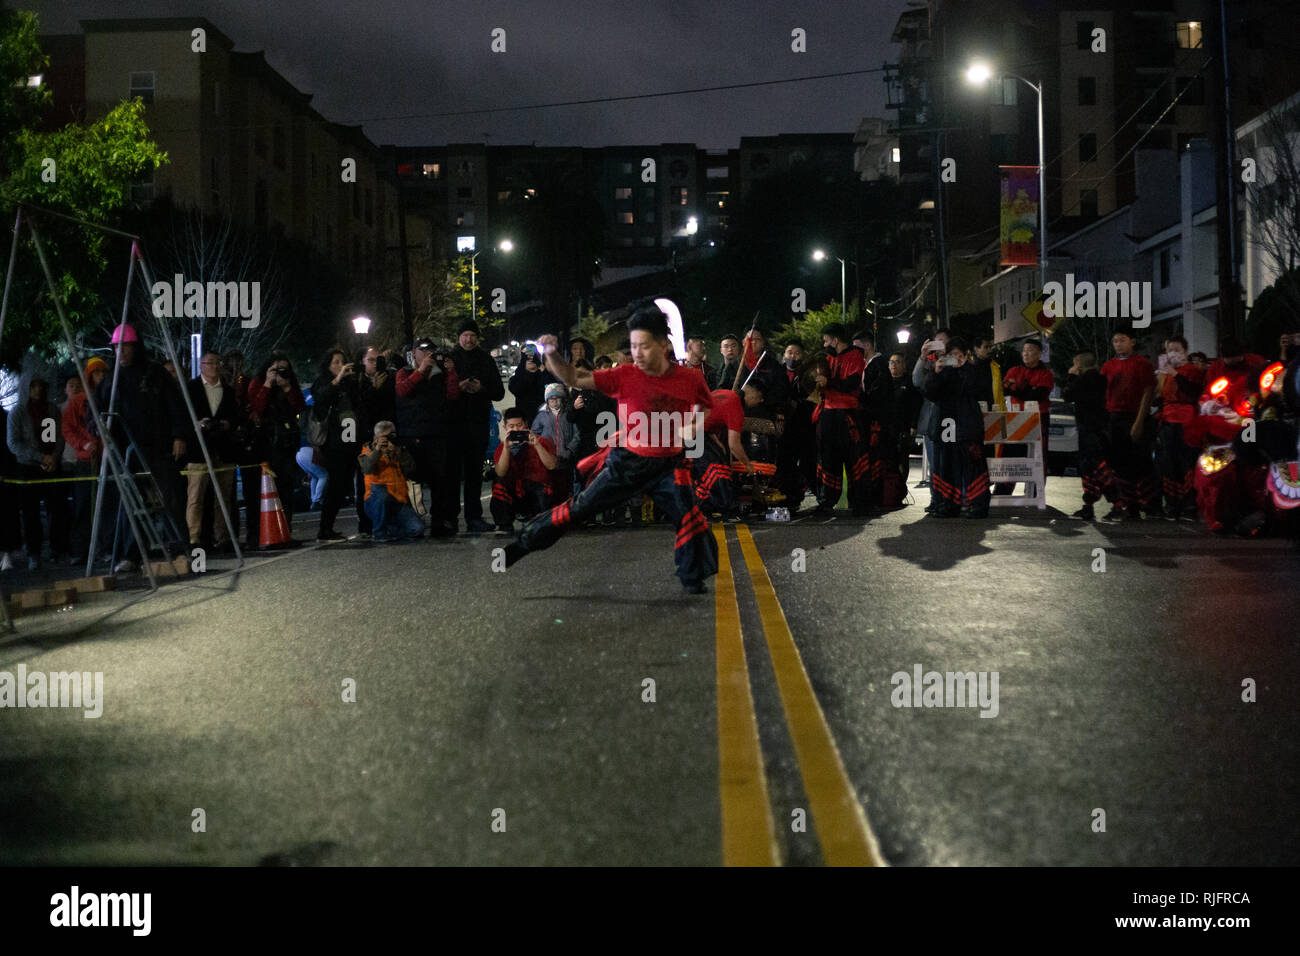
{"x": 274, "y": 526}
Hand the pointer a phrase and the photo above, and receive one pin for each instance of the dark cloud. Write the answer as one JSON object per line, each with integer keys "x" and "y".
{"x": 367, "y": 60}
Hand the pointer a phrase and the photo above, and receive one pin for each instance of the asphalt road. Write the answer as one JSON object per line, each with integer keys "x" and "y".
{"x": 520, "y": 699}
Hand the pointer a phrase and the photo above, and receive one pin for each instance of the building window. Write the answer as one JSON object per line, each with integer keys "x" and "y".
{"x": 895, "y": 155}
{"x": 627, "y": 169}
{"x": 431, "y": 170}
{"x": 464, "y": 192}
{"x": 681, "y": 196}
{"x": 1164, "y": 268}
{"x": 277, "y": 138}
{"x": 466, "y": 168}
{"x": 1003, "y": 92}
{"x": 1087, "y": 91}
{"x": 142, "y": 86}
{"x": 717, "y": 172}
{"x": 465, "y": 218}
{"x": 1004, "y": 311}
{"x": 465, "y": 243}
{"x": 503, "y": 195}
{"x": 1083, "y": 38}
{"x": 626, "y": 218}
{"x": 1188, "y": 33}
{"x": 648, "y": 241}
{"x": 623, "y": 192}
{"x": 648, "y": 216}
{"x": 1087, "y": 147}
{"x": 1088, "y": 203}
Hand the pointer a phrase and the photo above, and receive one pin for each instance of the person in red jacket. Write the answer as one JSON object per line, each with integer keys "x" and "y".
{"x": 1178, "y": 383}
{"x": 81, "y": 435}
{"x": 840, "y": 441}
{"x": 275, "y": 402}
{"x": 1130, "y": 387}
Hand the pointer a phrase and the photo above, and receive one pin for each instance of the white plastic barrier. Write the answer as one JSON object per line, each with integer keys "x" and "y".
{"x": 1021, "y": 425}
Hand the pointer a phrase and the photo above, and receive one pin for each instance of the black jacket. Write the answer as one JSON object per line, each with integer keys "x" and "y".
{"x": 1087, "y": 393}
{"x": 221, "y": 434}
{"x": 337, "y": 404}
{"x": 422, "y": 405}
{"x": 983, "y": 375}
{"x": 375, "y": 405}
{"x": 876, "y": 387}
{"x": 953, "y": 390}
{"x": 529, "y": 388}
{"x": 149, "y": 404}
{"x": 474, "y": 410}
{"x": 904, "y": 404}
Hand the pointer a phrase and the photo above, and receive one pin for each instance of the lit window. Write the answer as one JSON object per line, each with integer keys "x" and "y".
{"x": 623, "y": 192}
{"x": 681, "y": 196}
{"x": 431, "y": 170}
{"x": 530, "y": 193}
{"x": 626, "y": 218}
{"x": 1189, "y": 34}
{"x": 464, "y": 243}
{"x": 895, "y": 155}
{"x": 142, "y": 86}
{"x": 503, "y": 195}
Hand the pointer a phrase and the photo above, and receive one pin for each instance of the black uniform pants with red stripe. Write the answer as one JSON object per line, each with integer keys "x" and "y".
{"x": 711, "y": 473}
{"x": 960, "y": 477}
{"x": 1175, "y": 461}
{"x": 1135, "y": 473}
{"x": 506, "y": 507}
{"x": 666, "y": 480}
{"x": 841, "y": 446}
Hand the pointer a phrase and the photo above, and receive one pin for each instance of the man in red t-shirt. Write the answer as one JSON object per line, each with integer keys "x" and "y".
{"x": 1130, "y": 387}
{"x": 1031, "y": 382}
{"x": 523, "y": 463}
{"x": 661, "y": 411}
{"x": 711, "y": 471}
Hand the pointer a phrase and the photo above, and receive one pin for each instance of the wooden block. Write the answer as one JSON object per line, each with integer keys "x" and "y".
{"x": 182, "y": 565}
{"x": 103, "y": 582}
{"x": 59, "y": 597}
{"x": 163, "y": 569}
{"x": 31, "y": 600}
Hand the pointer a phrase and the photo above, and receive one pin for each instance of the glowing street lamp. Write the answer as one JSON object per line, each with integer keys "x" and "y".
{"x": 361, "y": 324}
{"x": 505, "y": 245}
{"x": 980, "y": 73}
{"x": 819, "y": 255}
{"x": 904, "y": 336}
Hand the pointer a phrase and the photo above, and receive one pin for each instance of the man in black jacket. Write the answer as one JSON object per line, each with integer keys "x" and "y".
{"x": 873, "y": 402}
{"x": 217, "y": 412}
{"x": 480, "y": 386}
{"x": 424, "y": 422}
{"x": 1085, "y": 389}
{"x": 960, "y": 483}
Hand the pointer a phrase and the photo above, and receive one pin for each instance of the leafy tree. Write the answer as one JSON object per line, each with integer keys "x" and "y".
{"x": 807, "y": 328}
{"x": 592, "y": 327}
{"x": 92, "y": 169}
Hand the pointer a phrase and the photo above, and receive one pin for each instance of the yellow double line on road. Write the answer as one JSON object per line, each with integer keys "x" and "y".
{"x": 748, "y": 831}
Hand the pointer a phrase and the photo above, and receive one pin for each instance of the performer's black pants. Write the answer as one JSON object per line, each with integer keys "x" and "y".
{"x": 711, "y": 472}
{"x": 840, "y": 446}
{"x": 1135, "y": 476}
{"x": 960, "y": 477}
{"x": 666, "y": 480}
{"x": 1175, "y": 460}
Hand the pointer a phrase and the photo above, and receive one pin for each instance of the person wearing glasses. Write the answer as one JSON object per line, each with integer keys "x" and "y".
{"x": 275, "y": 403}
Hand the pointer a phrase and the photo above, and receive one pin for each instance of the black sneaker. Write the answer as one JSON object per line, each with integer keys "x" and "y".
{"x": 695, "y": 587}
{"x": 1115, "y": 514}
{"x": 330, "y": 537}
{"x": 477, "y": 526}
{"x": 1085, "y": 514}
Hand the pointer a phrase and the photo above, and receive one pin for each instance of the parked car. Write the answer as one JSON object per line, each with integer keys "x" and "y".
{"x": 1062, "y": 439}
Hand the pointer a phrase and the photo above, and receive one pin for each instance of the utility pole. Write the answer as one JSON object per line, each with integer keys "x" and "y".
{"x": 1225, "y": 189}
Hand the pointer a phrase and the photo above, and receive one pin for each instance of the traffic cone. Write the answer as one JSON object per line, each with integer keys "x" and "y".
{"x": 274, "y": 526}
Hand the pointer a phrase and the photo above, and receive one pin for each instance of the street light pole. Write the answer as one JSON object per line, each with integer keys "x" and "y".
{"x": 473, "y": 288}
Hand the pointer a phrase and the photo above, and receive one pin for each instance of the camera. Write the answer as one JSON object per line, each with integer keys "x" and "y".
{"x": 381, "y": 363}
{"x": 517, "y": 437}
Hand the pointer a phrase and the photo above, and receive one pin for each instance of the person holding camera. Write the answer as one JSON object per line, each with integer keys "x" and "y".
{"x": 960, "y": 475}
{"x": 423, "y": 394}
{"x": 275, "y": 403}
{"x": 480, "y": 387}
{"x": 523, "y": 464}
{"x": 335, "y": 401}
{"x": 217, "y": 411}
{"x": 385, "y": 465}
{"x": 376, "y": 402}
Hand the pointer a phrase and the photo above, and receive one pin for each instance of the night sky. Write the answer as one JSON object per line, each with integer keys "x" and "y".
{"x": 372, "y": 60}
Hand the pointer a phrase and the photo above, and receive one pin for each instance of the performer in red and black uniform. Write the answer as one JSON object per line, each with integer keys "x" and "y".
{"x": 1178, "y": 384}
{"x": 796, "y": 463}
{"x": 840, "y": 441}
{"x": 714, "y": 489}
{"x": 1130, "y": 386}
{"x": 523, "y": 464}
{"x": 960, "y": 482}
{"x": 652, "y": 464}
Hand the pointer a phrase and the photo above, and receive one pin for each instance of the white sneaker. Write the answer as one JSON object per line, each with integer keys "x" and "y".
{"x": 124, "y": 567}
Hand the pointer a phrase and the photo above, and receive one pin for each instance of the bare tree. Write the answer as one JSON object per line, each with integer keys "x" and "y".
{"x": 1273, "y": 198}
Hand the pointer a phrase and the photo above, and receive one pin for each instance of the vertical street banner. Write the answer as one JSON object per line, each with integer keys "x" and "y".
{"x": 1019, "y": 215}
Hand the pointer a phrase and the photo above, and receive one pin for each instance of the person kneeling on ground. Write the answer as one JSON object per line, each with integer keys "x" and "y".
{"x": 523, "y": 463}
{"x": 385, "y": 466}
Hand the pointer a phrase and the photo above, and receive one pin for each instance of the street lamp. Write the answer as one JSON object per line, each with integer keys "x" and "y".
{"x": 818, "y": 255}
{"x": 505, "y": 245}
{"x": 361, "y": 324}
{"x": 903, "y": 336}
{"x": 978, "y": 74}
